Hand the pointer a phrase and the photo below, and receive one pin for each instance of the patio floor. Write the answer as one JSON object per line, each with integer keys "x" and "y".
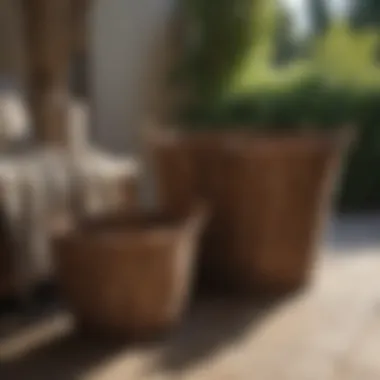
{"x": 330, "y": 332}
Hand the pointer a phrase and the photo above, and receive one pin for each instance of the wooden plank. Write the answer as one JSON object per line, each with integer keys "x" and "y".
{"x": 48, "y": 40}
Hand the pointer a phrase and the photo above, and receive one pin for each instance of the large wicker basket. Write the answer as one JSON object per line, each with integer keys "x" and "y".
{"x": 129, "y": 275}
{"x": 269, "y": 195}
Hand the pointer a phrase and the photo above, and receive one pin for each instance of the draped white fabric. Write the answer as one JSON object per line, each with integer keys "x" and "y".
{"x": 37, "y": 191}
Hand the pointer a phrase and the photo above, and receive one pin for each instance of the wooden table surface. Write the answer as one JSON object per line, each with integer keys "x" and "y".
{"x": 330, "y": 332}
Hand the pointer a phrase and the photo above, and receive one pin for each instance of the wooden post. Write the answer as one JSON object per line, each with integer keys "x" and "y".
{"x": 48, "y": 45}
{"x": 162, "y": 97}
{"x": 80, "y": 28}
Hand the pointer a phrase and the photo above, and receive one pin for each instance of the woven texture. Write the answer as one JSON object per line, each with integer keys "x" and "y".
{"x": 268, "y": 196}
{"x": 129, "y": 275}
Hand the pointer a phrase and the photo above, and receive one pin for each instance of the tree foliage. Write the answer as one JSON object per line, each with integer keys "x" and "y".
{"x": 287, "y": 49}
{"x": 348, "y": 55}
{"x": 319, "y": 16}
{"x": 365, "y": 13}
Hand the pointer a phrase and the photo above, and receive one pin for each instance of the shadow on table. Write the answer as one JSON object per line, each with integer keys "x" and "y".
{"x": 50, "y": 348}
{"x": 214, "y": 324}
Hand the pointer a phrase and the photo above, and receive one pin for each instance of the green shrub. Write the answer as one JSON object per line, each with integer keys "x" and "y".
{"x": 308, "y": 104}
{"x": 361, "y": 184}
{"x": 231, "y": 82}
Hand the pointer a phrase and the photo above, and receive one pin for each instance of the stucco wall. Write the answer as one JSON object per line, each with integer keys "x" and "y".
{"x": 123, "y": 41}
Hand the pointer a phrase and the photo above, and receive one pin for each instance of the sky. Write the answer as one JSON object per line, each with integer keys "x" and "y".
{"x": 299, "y": 12}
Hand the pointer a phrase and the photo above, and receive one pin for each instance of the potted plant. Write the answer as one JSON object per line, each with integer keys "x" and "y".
{"x": 128, "y": 274}
{"x": 264, "y": 157}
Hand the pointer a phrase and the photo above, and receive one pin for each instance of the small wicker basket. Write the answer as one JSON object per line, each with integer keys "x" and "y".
{"x": 129, "y": 275}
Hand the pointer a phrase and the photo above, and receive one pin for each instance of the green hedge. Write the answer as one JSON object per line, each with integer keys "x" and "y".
{"x": 361, "y": 184}
{"x": 230, "y": 70}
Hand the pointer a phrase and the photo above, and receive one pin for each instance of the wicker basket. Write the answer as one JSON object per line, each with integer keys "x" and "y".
{"x": 269, "y": 195}
{"x": 200, "y": 161}
{"x": 129, "y": 275}
{"x": 282, "y": 189}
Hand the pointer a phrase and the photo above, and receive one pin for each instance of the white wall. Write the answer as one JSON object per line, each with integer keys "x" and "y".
{"x": 124, "y": 33}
